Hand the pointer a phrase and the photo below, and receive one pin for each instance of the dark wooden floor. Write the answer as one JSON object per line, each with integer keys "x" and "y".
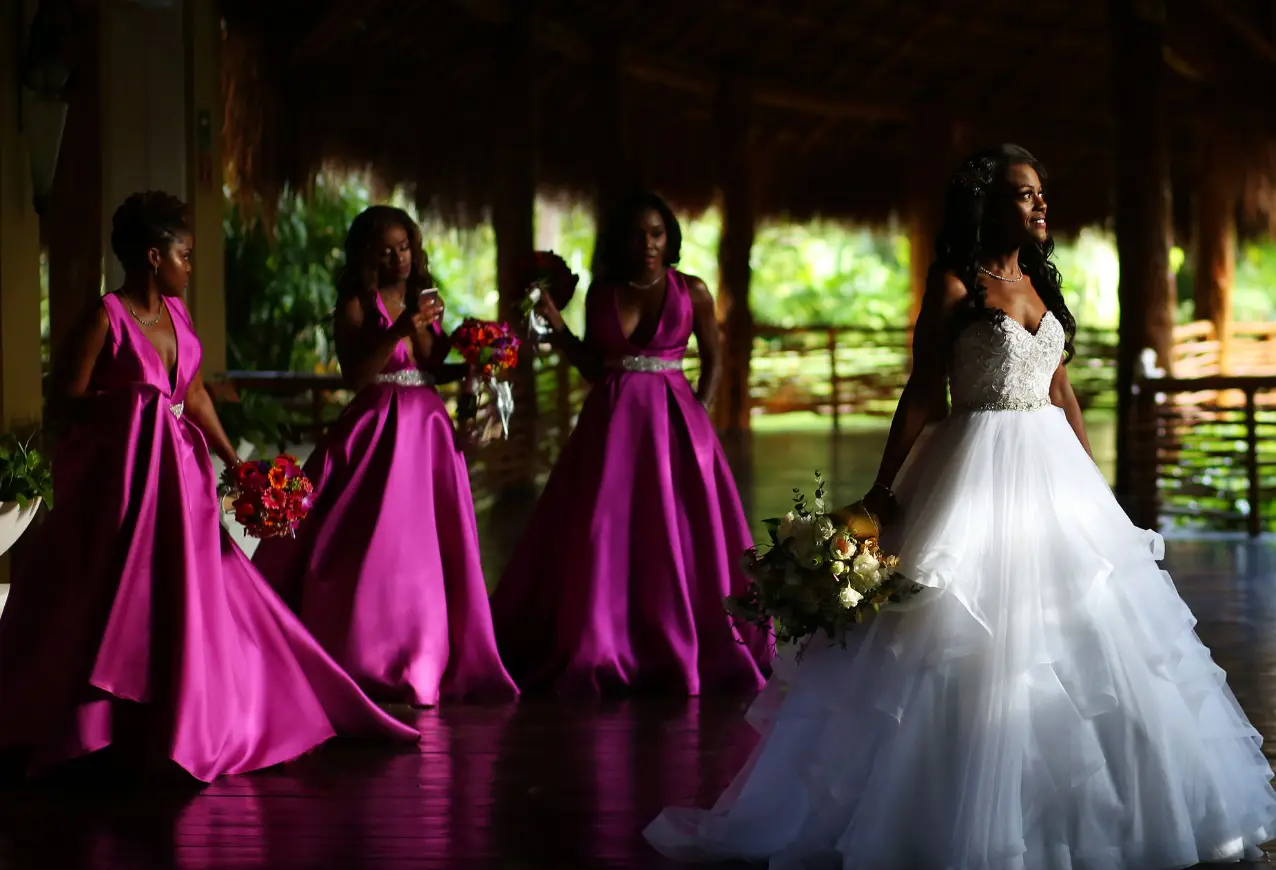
{"x": 537, "y": 784}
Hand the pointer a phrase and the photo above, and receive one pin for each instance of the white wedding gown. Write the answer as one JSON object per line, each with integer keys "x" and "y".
{"x": 1044, "y": 704}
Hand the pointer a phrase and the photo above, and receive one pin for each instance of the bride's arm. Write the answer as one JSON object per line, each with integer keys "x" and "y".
{"x": 925, "y": 396}
{"x": 1062, "y": 396}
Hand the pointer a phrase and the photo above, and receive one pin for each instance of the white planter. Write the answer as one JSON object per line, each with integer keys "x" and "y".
{"x": 14, "y": 521}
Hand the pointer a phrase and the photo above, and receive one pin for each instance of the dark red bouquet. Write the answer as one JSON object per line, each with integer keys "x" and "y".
{"x": 549, "y": 273}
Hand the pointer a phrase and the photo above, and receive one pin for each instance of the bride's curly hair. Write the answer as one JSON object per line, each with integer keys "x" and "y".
{"x": 959, "y": 247}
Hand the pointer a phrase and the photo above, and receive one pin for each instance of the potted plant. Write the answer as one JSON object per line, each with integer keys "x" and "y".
{"x": 25, "y": 481}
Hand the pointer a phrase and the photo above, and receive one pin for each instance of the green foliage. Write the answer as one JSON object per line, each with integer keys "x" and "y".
{"x": 280, "y": 291}
{"x": 821, "y": 273}
{"x": 25, "y": 475}
{"x": 1254, "y": 293}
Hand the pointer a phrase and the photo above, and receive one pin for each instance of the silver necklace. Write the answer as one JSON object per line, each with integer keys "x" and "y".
{"x": 1014, "y": 280}
{"x": 132, "y": 311}
{"x": 638, "y": 286}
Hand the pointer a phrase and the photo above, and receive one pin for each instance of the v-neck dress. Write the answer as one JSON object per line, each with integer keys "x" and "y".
{"x": 619, "y": 578}
{"x": 385, "y": 570}
{"x": 134, "y": 594}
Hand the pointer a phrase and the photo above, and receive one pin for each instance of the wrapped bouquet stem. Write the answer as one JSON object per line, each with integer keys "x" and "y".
{"x": 544, "y": 275}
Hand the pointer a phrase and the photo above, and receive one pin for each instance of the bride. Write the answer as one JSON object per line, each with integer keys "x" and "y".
{"x": 1043, "y": 703}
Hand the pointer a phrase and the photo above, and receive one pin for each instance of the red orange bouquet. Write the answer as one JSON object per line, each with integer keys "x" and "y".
{"x": 269, "y": 499}
{"x": 490, "y": 348}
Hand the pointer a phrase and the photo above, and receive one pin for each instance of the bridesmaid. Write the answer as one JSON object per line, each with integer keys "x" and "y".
{"x": 385, "y": 571}
{"x": 137, "y": 621}
{"x": 618, "y": 580}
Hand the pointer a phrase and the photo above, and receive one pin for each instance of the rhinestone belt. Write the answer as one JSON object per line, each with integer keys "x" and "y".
{"x": 1007, "y": 405}
{"x": 649, "y": 364}
{"x": 406, "y": 378}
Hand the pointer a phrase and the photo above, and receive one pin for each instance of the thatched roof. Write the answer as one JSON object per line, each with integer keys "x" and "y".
{"x": 846, "y": 99}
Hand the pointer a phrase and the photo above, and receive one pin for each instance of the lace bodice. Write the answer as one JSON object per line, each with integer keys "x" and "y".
{"x": 998, "y": 365}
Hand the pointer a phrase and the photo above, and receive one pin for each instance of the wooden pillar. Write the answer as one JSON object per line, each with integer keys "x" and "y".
{"x": 1143, "y": 213}
{"x": 923, "y": 224}
{"x": 735, "y": 185}
{"x": 206, "y": 297}
{"x": 143, "y": 108}
{"x": 944, "y": 143}
{"x": 73, "y": 227}
{"x": 615, "y": 173}
{"x": 21, "y": 401}
{"x": 1217, "y": 196}
{"x": 513, "y": 219}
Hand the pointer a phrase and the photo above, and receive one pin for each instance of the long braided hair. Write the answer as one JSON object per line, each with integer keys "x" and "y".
{"x": 960, "y": 247}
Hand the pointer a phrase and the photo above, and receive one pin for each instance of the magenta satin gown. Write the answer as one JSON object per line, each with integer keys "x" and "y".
{"x": 618, "y": 580}
{"x": 134, "y": 592}
{"x": 385, "y": 571}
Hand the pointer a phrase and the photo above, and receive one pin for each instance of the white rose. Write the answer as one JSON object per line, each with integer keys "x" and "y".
{"x": 843, "y": 545}
{"x": 866, "y": 567}
{"x": 823, "y": 529}
{"x": 786, "y": 525}
{"x": 818, "y": 507}
{"x": 850, "y": 597}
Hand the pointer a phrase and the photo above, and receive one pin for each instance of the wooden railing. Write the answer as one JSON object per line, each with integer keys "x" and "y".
{"x": 836, "y": 371}
{"x": 1203, "y": 453}
{"x": 1250, "y": 349}
{"x": 1202, "y": 445}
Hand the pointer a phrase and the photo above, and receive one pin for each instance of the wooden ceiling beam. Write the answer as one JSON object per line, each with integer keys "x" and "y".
{"x": 1259, "y": 44}
{"x": 334, "y": 25}
{"x": 677, "y": 75}
{"x": 932, "y": 21}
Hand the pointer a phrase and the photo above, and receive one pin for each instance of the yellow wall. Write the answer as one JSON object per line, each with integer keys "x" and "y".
{"x": 160, "y": 79}
{"x": 21, "y": 403}
{"x": 207, "y": 296}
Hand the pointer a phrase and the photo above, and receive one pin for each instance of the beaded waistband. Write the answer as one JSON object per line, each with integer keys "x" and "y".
{"x": 177, "y": 408}
{"x": 406, "y": 378}
{"x": 649, "y": 364}
{"x": 1005, "y": 405}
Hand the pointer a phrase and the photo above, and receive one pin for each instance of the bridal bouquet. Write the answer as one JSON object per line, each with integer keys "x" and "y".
{"x": 269, "y": 499}
{"x": 821, "y": 574}
{"x": 491, "y": 350}
{"x": 544, "y": 273}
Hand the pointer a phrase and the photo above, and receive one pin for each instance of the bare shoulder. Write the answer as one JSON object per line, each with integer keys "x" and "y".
{"x": 95, "y": 322}
{"x": 948, "y": 289}
{"x": 350, "y": 310}
{"x": 698, "y": 289}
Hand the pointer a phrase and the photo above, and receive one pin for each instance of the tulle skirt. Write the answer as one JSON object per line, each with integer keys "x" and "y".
{"x": 1044, "y": 704}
